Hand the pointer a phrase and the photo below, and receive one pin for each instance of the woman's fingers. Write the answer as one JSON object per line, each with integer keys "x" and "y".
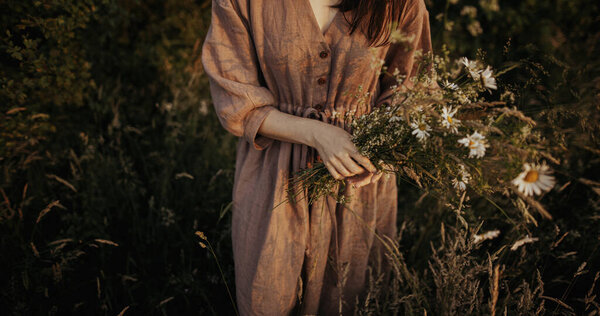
{"x": 365, "y": 180}
{"x": 376, "y": 177}
{"x": 363, "y": 161}
{"x": 358, "y": 179}
{"x": 351, "y": 165}
{"x": 333, "y": 171}
{"x": 341, "y": 169}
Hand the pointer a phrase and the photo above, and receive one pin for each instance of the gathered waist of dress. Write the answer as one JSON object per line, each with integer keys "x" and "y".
{"x": 340, "y": 117}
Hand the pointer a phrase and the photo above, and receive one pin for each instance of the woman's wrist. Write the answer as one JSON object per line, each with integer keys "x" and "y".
{"x": 314, "y": 130}
{"x": 290, "y": 128}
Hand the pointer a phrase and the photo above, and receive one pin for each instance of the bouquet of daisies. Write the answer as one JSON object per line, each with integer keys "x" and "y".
{"x": 444, "y": 136}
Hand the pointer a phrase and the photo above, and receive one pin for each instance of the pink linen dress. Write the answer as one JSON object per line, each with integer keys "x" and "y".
{"x": 262, "y": 56}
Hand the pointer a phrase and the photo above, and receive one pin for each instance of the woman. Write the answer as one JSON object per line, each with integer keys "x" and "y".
{"x": 279, "y": 72}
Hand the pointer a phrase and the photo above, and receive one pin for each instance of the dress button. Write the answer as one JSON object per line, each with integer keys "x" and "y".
{"x": 318, "y": 106}
{"x": 322, "y": 80}
{"x": 323, "y": 54}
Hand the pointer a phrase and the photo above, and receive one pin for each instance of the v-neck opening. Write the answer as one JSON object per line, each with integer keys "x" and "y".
{"x": 315, "y": 22}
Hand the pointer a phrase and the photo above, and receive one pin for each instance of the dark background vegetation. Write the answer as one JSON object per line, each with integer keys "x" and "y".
{"x": 111, "y": 157}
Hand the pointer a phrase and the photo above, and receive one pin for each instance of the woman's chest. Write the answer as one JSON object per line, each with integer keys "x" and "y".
{"x": 288, "y": 38}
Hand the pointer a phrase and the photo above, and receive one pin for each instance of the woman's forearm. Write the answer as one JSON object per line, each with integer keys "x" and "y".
{"x": 290, "y": 128}
{"x": 333, "y": 143}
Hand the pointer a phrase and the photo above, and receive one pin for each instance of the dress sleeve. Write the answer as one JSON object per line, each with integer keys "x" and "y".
{"x": 230, "y": 61}
{"x": 414, "y": 21}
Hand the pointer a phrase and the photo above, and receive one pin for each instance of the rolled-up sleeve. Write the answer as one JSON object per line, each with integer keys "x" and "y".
{"x": 414, "y": 21}
{"x": 230, "y": 61}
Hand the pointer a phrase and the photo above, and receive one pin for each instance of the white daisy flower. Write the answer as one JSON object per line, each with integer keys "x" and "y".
{"x": 449, "y": 85}
{"x": 472, "y": 67}
{"x": 534, "y": 179}
{"x": 448, "y": 120}
{"x": 487, "y": 80}
{"x": 461, "y": 181}
{"x": 476, "y": 143}
{"x": 420, "y": 130}
{"x": 486, "y": 236}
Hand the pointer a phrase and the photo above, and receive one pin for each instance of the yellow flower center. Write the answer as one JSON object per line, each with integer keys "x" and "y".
{"x": 449, "y": 119}
{"x": 472, "y": 144}
{"x": 422, "y": 126}
{"x": 531, "y": 176}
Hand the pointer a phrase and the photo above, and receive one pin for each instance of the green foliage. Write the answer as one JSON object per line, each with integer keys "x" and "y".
{"x": 111, "y": 158}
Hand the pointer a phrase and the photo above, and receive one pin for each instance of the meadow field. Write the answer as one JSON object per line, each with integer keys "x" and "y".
{"x": 112, "y": 158}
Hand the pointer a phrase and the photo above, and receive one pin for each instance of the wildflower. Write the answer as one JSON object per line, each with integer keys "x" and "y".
{"x": 462, "y": 98}
{"x": 167, "y": 216}
{"x": 487, "y": 80}
{"x": 470, "y": 11}
{"x": 448, "y": 120}
{"x": 489, "y": 5}
{"x": 508, "y": 96}
{"x": 461, "y": 181}
{"x": 396, "y": 118}
{"x": 472, "y": 67}
{"x": 523, "y": 241}
{"x": 475, "y": 28}
{"x": 486, "y": 236}
{"x": 449, "y": 85}
{"x": 534, "y": 179}
{"x": 420, "y": 130}
{"x": 476, "y": 143}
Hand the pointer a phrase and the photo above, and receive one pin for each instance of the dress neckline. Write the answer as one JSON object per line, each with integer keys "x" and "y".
{"x": 315, "y": 23}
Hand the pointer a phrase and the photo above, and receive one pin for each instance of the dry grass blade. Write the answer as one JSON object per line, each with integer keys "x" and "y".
{"x": 413, "y": 175}
{"x": 34, "y": 249}
{"x": 595, "y": 186}
{"x": 107, "y": 242}
{"x": 557, "y": 301}
{"x": 61, "y": 180}
{"x": 60, "y": 241}
{"x": 165, "y": 301}
{"x": 185, "y": 175}
{"x": 494, "y": 289}
{"x": 123, "y": 311}
{"x": 516, "y": 113}
{"x": 15, "y": 110}
{"x": 549, "y": 157}
{"x": 7, "y": 202}
{"x": 47, "y": 209}
{"x": 535, "y": 204}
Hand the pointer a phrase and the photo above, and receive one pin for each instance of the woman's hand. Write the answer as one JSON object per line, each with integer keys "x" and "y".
{"x": 360, "y": 180}
{"x": 340, "y": 155}
{"x": 333, "y": 143}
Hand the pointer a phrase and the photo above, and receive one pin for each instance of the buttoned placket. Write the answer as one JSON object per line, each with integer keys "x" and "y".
{"x": 322, "y": 83}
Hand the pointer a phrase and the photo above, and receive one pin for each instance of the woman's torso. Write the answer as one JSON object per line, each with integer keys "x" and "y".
{"x": 309, "y": 71}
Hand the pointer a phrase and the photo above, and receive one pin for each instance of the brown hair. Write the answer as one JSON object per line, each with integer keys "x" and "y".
{"x": 373, "y": 16}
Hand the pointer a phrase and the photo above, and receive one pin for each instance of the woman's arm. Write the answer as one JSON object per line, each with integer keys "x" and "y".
{"x": 333, "y": 143}
{"x": 243, "y": 105}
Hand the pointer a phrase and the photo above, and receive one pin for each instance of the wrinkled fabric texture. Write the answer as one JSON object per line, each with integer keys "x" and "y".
{"x": 263, "y": 56}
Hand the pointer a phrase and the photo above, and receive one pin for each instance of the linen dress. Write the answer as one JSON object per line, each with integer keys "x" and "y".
{"x": 262, "y": 56}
